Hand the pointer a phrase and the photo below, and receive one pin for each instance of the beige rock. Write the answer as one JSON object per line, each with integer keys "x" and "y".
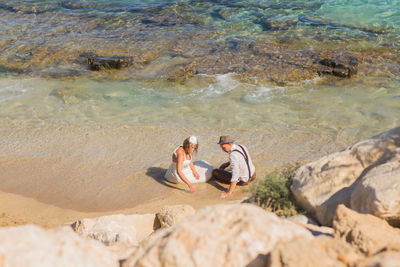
{"x": 384, "y": 259}
{"x": 221, "y": 235}
{"x": 365, "y": 232}
{"x": 323, "y": 251}
{"x": 301, "y": 219}
{"x": 322, "y": 185}
{"x": 378, "y": 193}
{"x": 31, "y": 246}
{"x": 112, "y": 229}
{"x": 170, "y": 215}
{"x": 121, "y": 250}
{"x": 318, "y": 230}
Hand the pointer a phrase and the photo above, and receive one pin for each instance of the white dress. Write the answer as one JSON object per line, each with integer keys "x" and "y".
{"x": 202, "y": 167}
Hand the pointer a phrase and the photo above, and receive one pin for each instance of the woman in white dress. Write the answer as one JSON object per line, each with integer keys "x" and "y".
{"x": 184, "y": 170}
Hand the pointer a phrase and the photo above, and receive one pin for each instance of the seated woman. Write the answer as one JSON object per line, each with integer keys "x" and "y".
{"x": 183, "y": 170}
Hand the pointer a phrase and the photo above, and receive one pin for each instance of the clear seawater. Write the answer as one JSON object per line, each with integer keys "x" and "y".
{"x": 42, "y": 37}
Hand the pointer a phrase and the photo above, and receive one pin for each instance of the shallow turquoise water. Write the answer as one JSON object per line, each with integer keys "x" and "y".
{"x": 214, "y": 101}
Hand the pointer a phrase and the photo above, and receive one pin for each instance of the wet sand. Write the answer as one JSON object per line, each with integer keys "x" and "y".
{"x": 62, "y": 173}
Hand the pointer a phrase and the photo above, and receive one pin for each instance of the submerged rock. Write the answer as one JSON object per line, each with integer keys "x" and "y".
{"x": 275, "y": 25}
{"x": 97, "y": 63}
{"x": 338, "y": 67}
{"x": 221, "y": 235}
{"x": 72, "y": 95}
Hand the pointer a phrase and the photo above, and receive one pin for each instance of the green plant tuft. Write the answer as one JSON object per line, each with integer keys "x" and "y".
{"x": 273, "y": 192}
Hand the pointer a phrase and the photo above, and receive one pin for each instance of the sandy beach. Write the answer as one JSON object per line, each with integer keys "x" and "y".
{"x": 55, "y": 174}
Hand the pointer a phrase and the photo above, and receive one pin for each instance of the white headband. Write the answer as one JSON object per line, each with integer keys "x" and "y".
{"x": 193, "y": 140}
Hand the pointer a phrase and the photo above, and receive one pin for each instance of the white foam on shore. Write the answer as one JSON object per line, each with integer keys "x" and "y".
{"x": 264, "y": 94}
{"x": 223, "y": 83}
{"x": 13, "y": 88}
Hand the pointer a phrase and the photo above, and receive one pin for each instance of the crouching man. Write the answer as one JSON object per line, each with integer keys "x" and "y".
{"x": 243, "y": 170}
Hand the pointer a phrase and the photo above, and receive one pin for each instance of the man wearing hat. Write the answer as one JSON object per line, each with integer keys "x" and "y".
{"x": 243, "y": 170}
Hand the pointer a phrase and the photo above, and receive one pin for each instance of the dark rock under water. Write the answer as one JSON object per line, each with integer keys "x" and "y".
{"x": 114, "y": 62}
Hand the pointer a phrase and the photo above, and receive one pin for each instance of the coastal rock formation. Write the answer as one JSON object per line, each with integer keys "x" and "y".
{"x": 302, "y": 219}
{"x": 367, "y": 233}
{"x": 32, "y": 246}
{"x": 221, "y": 235}
{"x": 321, "y": 186}
{"x": 122, "y": 229}
{"x": 170, "y": 215}
{"x": 323, "y": 251}
{"x": 311, "y": 225}
{"x": 384, "y": 259}
{"x": 378, "y": 192}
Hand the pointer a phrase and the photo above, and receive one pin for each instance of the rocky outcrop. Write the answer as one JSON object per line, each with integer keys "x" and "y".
{"x": 122, "y": 229}
{"x": 321, "y": 186}
{"x": 32, "y": 246}
{"x": 322, "y": 252}
{"x": 302, "y": 219}
{"x": 367, "y": 233}
{"x": 378, "y": 192}
{"x": 221, "y": 235}
{"x": 384, "y": 259}
{"x": 170, "y": 215}
{"x": 311, "y": 225}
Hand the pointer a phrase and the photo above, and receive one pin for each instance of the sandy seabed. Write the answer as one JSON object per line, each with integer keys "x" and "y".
{"x": 53, "y": 174}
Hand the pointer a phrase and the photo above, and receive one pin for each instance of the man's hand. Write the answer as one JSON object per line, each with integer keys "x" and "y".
{"x": 225, "y": 195}
{"x": 231, "y": 188}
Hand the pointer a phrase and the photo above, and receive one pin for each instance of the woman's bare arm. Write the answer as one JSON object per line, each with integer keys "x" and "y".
{"x": 179, "y": 166}
{"x": 195, "y": 173}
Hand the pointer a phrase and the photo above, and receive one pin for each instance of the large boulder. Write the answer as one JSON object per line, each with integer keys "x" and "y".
{"x": 122, "y": 229}
{"x": 170, "y": 215}
{"x": 321, "y": 186}
{"x": 31, "y": 246}
{"x": 221, "y": 235}
{"x": 378, "y": 192}
{"x": 365, "y": 232}
{"x": 323, "y": 251}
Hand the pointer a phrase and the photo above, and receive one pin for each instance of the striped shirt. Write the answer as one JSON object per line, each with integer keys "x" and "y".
{"x": 238, "y": 164}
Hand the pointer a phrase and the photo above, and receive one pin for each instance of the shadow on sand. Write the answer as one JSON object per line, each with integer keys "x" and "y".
{"x": 157, "y": 174}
